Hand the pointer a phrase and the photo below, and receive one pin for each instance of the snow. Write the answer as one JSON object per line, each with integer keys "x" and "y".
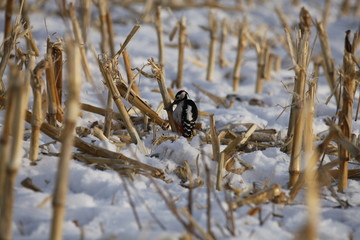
{"x": 98, "y": 206}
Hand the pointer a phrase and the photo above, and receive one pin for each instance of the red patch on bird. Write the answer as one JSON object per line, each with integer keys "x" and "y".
{"x": 180, "y": 129}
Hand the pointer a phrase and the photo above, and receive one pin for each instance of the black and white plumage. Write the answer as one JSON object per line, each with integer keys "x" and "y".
{"x": 185, "y": 113}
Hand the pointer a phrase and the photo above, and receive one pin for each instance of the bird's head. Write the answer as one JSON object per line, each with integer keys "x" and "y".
{"x": 180, "y": 95}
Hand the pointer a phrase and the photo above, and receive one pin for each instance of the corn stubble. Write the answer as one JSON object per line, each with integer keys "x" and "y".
{"x": 345, "y": 118}
{"x": 301, "y": 59}
{"x": 67, "y": 139}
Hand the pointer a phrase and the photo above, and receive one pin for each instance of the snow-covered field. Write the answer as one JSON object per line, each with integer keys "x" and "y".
{"x": 98, "y": 206}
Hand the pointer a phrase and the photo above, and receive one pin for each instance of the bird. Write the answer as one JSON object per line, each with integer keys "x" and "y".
{"x": 185, "y": 113}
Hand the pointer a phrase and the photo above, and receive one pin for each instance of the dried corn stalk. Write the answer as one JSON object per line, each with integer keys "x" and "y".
{"x": 67, "y": 136}
{"x": 182, "y": 40}
{"x": 160, "y": 77}
{"x": 12, "y": 151}
{"x": 8, "y": 47}
{"x": 8, "y": 14}
{"x": 329, "y": 64}
{"x": 105, "y": 48}
{"x": 212, "y": 47}
{"x": 231, "y": 149}
{"x": 54, "y": 108}
{"x": 129, "y": 73}
{"x": 37, "y": 84}
{"x": 79, "y": 39}
{"x": 107, "y": 71}
{"x": 345, "y": 119}
{"x": 267, "y": 194}
{"x": 239, "y": 56}
{"x": 103, "y": 155}
{"x": 296, "y": 121}
{"x": 217, "y": 156}
{"x": 224, "y": 35}
{"x": 261, "y": 46}
{"x": 85, "y": 12}
{"x": 310, "y": 173}
{"x": 136, "y": 101}
{"x": 159, "y": 32}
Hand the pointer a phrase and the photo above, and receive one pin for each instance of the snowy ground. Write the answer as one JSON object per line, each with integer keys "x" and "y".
{"x": 97, "y": 204}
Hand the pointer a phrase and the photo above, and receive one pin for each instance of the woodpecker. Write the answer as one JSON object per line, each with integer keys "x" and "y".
{"x": 185, "y": 113}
